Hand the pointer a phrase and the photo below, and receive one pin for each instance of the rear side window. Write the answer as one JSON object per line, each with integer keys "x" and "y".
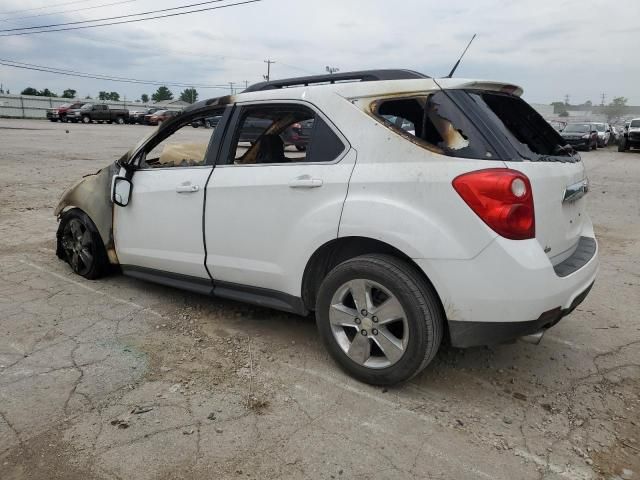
{"x": 435, "y": 122}
{"x": 531, "y": 136}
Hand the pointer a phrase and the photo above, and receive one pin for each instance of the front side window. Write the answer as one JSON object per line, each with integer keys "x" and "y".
{"x": 185, "y": 146}
{"x": 281, "y": 134}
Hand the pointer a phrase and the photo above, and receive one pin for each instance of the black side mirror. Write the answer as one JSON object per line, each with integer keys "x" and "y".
{"x": 121, "y": 191}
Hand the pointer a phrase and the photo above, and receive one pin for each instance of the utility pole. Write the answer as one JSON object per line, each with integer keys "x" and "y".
{"x": 566, "y": 99}
{"x": 331, "y": 70}
{"x": 246, "y": 84}
{"x": 268, "y": 61}
{"x": 193, "y": 95}
{"x": 231, "y": 84}
{"x": 604, "y": 96}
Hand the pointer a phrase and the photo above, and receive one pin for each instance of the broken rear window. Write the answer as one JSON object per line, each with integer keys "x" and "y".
{"x": 524, "y": 128}
{"x": 436, "y": 123}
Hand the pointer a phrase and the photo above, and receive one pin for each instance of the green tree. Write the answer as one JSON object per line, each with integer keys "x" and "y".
{"x": 47, "y": 93}
{"x": 189, "y": 95}
{"x": 69, "y": 93}
{"x": 616, "y": 108}
{"x": 145, "y": 98}
{"x": 115, "y": 96}
{"x": 102, "y": 95}
{"x": 163, "y": 93}
{"x": 29, "y": 91}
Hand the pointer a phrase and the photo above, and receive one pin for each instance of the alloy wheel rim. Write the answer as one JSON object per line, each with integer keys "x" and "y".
{"x": 369, "y": 323}
{"x": 76, "y": 242}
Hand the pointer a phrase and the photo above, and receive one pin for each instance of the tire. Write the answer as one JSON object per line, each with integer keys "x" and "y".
{"x": 120, "y": 120}
{"x": 411, "y": 341}
{"x": 86, "y": 119}
{"x": 80, "y": 245}
{"x": 53, "y": 120}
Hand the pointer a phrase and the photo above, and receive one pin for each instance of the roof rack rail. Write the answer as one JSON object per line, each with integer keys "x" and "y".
{"x": 361, "y": 76}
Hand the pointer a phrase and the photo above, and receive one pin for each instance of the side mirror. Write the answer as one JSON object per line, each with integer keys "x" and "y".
{"x": 121, "y": 191}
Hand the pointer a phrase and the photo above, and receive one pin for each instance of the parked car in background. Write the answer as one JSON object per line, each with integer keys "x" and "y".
{"x": 60, "y": 113}
{"x": 207, "y": 122}
{"x": 98, "y": 112}
{"x": 159, "y": 116}
{"x": 472, "y": 230}
{"x": 557, "y": 125}
{"x": 581, "y": 135}
{"x": 296, "y": 134}
{"x": 604, "y": 133}
{"x": 138, "y": 116}
{"x": 631, "y": 136}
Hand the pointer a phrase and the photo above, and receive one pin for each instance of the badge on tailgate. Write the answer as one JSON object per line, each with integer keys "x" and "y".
{"x": 576, "y": 191}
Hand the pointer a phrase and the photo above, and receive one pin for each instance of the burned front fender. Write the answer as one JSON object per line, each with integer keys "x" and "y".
{"x": 92, "y": 195}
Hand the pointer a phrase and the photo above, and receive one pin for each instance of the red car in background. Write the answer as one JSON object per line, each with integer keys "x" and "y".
{"x": 60, "y": 113}
{"x": 160, "y": 116}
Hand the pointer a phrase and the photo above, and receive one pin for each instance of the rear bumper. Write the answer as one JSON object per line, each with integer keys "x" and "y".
{"x": 510, "y": 289}
{"x": 468, "y": 334}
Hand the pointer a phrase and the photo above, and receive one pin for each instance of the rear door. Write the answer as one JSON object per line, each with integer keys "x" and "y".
{"x": 269, "y": 206}
{"x": 557, "y": 175}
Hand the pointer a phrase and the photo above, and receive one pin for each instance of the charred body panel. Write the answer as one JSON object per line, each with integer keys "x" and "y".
{"x": 92, "y": 195}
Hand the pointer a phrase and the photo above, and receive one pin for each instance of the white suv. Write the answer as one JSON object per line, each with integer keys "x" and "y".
{"x": 421, "y": 210}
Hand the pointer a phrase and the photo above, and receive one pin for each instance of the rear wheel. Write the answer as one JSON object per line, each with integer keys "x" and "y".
{"x": 86, "y": 119}
{"x": 380, "y": 320}
{"x": 120, "y": 120}
{"x": 80, "y": 245}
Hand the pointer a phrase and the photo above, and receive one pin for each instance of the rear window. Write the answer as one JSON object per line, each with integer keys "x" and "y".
{"x": 436, "y": 123}
{"x": 635, "y": 123}
{"x": 531, "y": 136}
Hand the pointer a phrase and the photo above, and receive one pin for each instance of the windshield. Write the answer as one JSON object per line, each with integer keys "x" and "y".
{"x": 65, "y": 105}
{"x": 577, "y": 128}
{"x": 634, "y": 123}
{"x": 160, "y": 112}
{"x": 600, "y": 127}
{"x": 87, "y": 106}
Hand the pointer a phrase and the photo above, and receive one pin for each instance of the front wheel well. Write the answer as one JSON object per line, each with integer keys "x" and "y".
{"x": 333, "y": 253}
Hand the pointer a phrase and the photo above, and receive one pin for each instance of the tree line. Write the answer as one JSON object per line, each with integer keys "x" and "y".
{"x": 616, "y": 108}
{"x": 189, "y": 95}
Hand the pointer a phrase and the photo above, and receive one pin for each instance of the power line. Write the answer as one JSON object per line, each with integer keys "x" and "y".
{"x": 12, "y": 19}
{"x": 111, "y": 18}
{"x": 130, "y": 21}
{"x": 42, "y": 8}
{"x": 73, "y": 73}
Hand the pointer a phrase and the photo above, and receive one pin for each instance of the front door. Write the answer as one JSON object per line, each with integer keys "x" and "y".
{"x": 160, "y": 231}
{"x": 270, "y": 202}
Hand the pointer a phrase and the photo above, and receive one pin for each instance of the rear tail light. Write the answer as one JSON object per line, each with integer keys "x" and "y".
{"x": 502, "y": 198}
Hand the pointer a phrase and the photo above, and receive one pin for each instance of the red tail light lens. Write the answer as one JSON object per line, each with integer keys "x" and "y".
{"x": 502, "y": 198}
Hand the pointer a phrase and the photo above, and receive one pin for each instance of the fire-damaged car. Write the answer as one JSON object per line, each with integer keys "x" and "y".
{"x": 421, "y": 210}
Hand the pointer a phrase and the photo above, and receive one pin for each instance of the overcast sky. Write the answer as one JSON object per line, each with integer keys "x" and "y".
{"x": 550, "y": 47}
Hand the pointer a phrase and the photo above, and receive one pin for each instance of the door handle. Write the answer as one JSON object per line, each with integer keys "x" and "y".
{"x": 305, "y": 181}
{"x": 187, "y": 188}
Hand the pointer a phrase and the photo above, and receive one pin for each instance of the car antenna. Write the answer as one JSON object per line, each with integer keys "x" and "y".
{"x": 455, "y": 67}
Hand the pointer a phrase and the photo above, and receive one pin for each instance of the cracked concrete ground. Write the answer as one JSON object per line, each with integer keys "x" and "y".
{"x": 119, "y": 379}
